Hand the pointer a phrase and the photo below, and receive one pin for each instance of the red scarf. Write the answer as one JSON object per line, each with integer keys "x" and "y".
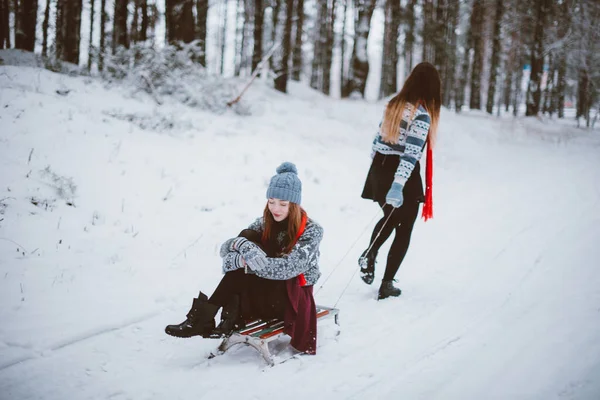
{"x": 428, "y": 207}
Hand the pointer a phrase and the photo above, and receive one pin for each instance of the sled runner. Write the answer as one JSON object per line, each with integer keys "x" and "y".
{"x": 258, "y": 334}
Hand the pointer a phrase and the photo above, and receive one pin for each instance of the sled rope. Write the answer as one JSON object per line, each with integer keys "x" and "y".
{"x": 369, "y": 249}
{"x": 345, "y": 255}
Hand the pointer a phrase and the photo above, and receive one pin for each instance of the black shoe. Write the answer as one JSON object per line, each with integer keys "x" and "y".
{"x": 200, "y": 320}
{"x": 230, "y": 319}
{"x": 367, "y": 267}
{"x": 388, "y": 289}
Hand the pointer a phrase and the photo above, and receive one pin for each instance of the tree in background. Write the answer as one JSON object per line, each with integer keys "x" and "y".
{"x": 359, "y": 64}
{"x": 389, "y": 65}
{"x": 496, "y": 52}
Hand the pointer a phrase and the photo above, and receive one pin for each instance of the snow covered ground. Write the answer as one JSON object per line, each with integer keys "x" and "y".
{"x": 112, "y": 210}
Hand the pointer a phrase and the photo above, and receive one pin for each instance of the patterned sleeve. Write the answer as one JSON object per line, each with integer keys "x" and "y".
{"x": 415, "y": 141}
{"x": 226, "y": 246}
{"x": 232, "y": 261}
{"x": 304, "y": 254}
{"x": 257, "y": 225}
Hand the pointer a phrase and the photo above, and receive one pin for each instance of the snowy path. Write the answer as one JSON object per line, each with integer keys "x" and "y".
{"x": 501, "y": 290}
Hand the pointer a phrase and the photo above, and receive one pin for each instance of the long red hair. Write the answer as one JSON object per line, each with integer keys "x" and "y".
{"x": 294, "y": 223}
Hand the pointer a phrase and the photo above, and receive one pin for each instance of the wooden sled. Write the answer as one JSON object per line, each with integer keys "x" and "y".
{"x": 258, "y": 334}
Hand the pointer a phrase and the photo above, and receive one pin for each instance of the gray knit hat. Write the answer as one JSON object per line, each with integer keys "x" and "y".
{"x": 285, "y": 185}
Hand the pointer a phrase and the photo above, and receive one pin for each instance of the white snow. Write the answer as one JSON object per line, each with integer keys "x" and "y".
{"x": 501, "y": 290}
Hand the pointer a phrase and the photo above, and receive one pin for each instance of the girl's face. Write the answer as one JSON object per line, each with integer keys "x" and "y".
{"x": 280, "y": 209}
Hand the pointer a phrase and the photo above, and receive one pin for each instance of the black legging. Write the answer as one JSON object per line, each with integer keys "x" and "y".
{"x": 258, "y": 297}
{"x": 402, "y": 220}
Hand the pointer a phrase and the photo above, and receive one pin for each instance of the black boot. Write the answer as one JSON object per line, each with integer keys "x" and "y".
{"x": 200, "y": 320}
{"x": 388, "y": 289}
{"x": 229, "y": 318}
{"x": 367, "y": 267}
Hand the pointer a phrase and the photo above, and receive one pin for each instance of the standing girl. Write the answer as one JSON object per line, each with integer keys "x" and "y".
{"x": 394, "y": 179}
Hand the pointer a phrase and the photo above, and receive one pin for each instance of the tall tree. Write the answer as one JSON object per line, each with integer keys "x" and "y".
{"x": 259, "y": 17}
{"x": 143, "y": 33}
{"x": 359, "y": 65}
{"x": 319, "y": 46}
{"x": 223, "y": 39}
{"x": 390, "y": 49}
{"x": 91, "y": 44}
{"x": 45, "y": 25}
{"x": 68, "y": 30}
{"x": 16, "y": 22}
{"x": 464, "y": 68}
{"x": 343, "y": 47}
{"x": 103, "y": 21}
{"x": 450, "y": 53}
{"x": 409, "y": 35}
{"x": 120, "y": 37}
{"x": 534, "y": 89}
{"x": 297, "y": 50}
{"x": 328, "y": 48}
{"x": 4, "y": 24}
{"x": 282, "y": 71}
{"x": 495, "y": 62}
{"x": 27, "y": 16}
{"x": 201, "y": 18}
{"x": 179, "y": 16}
{"x": 477, "y": 25}
{"x": 429, "y": 31}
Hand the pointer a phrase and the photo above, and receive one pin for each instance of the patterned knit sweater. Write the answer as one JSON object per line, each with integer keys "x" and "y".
{"x": 303, "y": 259}
{"x": 412, "y": 139}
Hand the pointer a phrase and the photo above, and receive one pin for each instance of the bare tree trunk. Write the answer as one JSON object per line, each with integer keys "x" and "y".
{"x": 429, "y": 32}
{"x": 17, "y": 23}
{"x": 224, "y": 36}
{"x": 238, "y": 40}
{"x": 409, "y": 34}
{"x": 359, "y": 66}
{"x": 91, "y": 43}
{"x": 549, "y": 106}
{"x": 510, "y": 67}
{"x": 120, "y": 25}
{"x": 201, "y": 18}
{"x": 534, "y": 89}
{"x": 316, "y": 75}
{"x": 561, "y": 84}
{"x": 179, "y": 15}
{"x": 274, "y": 26}
{"x": 133, "y": 33}
{"x": 283, "y": 73}
{"x": 451, "y": 62}
{"x": 45, "y": 28}
{"x": 464, "y": 70}
{"x": 495, "y": 62}
{"x": 297, "y": 50}
{"x": 68, "y": 30}
{"x": 103, "y": 18}
{"x": 343, "y": 48}
{"x": 259, "y": 16}
{"x": 4, "y": 24}
{"x": 328, "y": 49}
{"x": 518, "y": 79}
{"x": 389, "y": 66}
{"x": 477, "y": 40}
{"x": 143, "y": 34}
{"x": 27, "y": 16}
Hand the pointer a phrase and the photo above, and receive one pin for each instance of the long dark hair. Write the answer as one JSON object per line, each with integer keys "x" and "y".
{"x": 294, "y": 222}
{"x": 422, "y": 87}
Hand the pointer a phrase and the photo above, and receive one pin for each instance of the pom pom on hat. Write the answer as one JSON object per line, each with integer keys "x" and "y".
{"x": 287, "y": 167}
{"x": 286, "y": 185}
